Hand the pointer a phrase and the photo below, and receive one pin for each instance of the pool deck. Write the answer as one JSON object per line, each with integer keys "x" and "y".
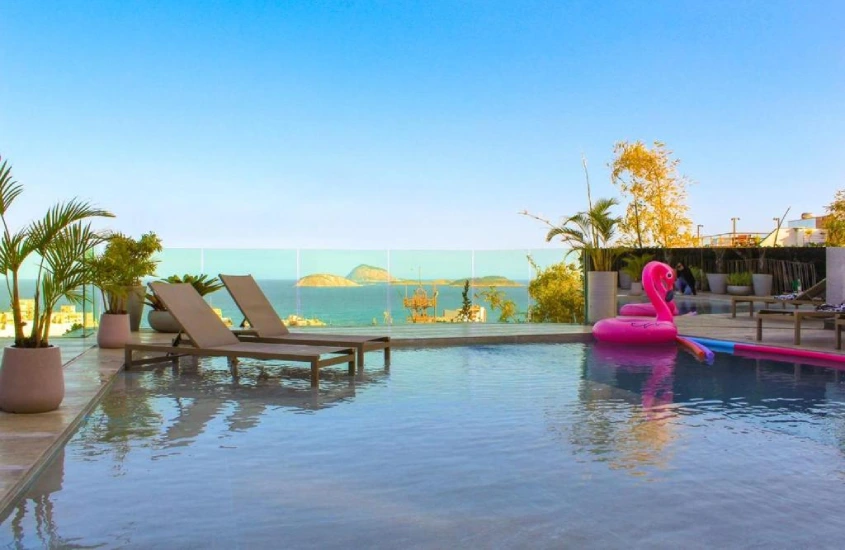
{"x": 27, "y": 442}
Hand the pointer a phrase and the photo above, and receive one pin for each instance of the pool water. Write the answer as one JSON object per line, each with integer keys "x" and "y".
{"x": 534, "y": 446}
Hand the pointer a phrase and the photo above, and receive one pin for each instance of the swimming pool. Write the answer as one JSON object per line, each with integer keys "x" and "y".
{"x": 540, "y": 446}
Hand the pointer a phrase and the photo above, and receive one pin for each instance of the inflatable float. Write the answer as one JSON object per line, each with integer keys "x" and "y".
{"x": 658, "y": 282}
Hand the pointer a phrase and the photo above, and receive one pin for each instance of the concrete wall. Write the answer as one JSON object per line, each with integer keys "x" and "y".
{"x": 835, "y": 293}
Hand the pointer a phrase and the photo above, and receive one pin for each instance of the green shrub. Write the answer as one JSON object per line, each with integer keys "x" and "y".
{"x": 742, "y": 278}
{"x": 558, "y": 294}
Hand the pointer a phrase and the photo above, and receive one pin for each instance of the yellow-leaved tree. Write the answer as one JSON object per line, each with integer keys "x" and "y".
{"x": 834, "y": 222}
{"x": 657, "y": 214}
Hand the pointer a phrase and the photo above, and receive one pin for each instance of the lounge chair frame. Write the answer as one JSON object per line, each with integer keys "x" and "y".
{"x": 209, "y": 337}
{"x": 267, "y": 327}
{"x": 797, "y": 317}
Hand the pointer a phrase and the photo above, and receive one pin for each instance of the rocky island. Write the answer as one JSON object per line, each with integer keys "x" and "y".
{"x": 325, "y": 280}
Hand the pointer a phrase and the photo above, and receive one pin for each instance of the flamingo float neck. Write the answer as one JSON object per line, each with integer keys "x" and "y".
{"x": 658, "y": 282}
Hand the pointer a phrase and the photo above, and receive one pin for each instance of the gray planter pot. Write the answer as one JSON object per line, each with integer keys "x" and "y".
{"x": 762, "y": 284}
{"x": 163, "y": 321}
{"x": 601, "y": 295}
{"x": 636, "y": 289}
{"x": 135, "y": 306}
{"x": 739, "y": 290}
{"x": 624, "y": 280}
{"x": 718, "y": 282}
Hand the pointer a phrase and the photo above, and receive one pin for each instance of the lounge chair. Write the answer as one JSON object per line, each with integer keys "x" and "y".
{"x": 210, "y": 337}
{"x": 812, "y": 296}
{"x": 266, "y": 326}
{"x": 797, "y": 316}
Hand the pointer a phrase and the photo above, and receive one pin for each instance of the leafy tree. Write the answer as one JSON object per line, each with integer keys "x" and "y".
{"x": 499, "y": 302}
{"x": 465, "y": 313}
{"x": 557, "y": 292}
{"x": 834, "y": 223}
{"x": 657, "y": 214}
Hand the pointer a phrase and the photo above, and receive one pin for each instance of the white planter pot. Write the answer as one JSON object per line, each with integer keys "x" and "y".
{"x": 636, "y": 289}
{"x": 718, "y": 282}
{"x": 739, "y": 290}
{"x": 762, "y": 284}
{"x": 601, "y": 295}
{"x": 31, "y": 380}
{"x": 163, "y": 321}
{"x": 114, "y": 330}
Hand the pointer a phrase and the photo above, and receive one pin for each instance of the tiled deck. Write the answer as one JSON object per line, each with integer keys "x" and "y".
{"x": 28, "y": 441}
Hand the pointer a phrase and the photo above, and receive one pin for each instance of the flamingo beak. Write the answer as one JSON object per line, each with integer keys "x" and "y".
{"x": 670, "y": 295}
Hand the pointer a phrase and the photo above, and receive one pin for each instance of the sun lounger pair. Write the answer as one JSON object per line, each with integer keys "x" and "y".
{"x": 210, "y": 337}
{"x": 812, "y": 296}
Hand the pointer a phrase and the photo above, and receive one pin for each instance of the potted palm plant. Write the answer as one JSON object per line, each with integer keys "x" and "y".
{"x": 159, "y": 318}
{"x": 633, "y": 267}
{"x": 31, "y": 377}
{"x": 590, "y": 234}
{"x": 117, "y": 271}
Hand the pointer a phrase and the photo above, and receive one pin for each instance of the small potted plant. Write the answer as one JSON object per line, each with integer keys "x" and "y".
{"x": 739, "y": 284}
{"x": 31, "y": 376}
{"x": 633, "y": 267}
{"x": 122, "y": 266}
{"x": 159, "y": 318}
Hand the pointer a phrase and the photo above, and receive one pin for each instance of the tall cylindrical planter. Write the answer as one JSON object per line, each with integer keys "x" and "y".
{"x": 762, "y": 284}
{"x": 601, "y": 295}
{"x": 31, "y": 380}
{"x": 135, "y": 306}
{"x": 114, "y": 330}
{"x": 718, "y": 282}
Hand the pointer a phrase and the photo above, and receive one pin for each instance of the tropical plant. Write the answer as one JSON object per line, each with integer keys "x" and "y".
{"x": 201, "y": 283}
{"x": 742, "y": 278}
{"x": 61, "y": 240}
{"x": 557, "y": 293}
{"x": 657, "y": 212}
{"x": 499, "y": 302}
{"x": 590, "y": 233}
{"x": 121, "y": 266}
{"x": 634, "y": 265}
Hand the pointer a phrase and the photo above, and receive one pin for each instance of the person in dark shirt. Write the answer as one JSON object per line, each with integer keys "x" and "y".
{"x": 685, "y": 278}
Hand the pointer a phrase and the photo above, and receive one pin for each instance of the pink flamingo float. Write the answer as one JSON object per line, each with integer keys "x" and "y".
{"x": 646, "y": 309}
{"x": 658, "y": 282}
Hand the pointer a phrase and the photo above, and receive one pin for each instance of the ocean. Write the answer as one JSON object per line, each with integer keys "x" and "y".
{"x": 361, "y": 305}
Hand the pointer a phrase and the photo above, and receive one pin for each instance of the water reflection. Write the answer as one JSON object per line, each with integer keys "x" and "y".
{"x": 33, "y": 516}
{"x": 628, "y": 425}
{"x": 170, "y": 407}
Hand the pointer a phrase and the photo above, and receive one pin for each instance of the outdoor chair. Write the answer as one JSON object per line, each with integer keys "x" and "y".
{"x": 208, "y": 336}
{"x": 266, "y": 326}
{"x": 812, "y": 296}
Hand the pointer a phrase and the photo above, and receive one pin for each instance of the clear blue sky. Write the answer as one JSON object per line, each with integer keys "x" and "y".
{"x": 430, "y": 124}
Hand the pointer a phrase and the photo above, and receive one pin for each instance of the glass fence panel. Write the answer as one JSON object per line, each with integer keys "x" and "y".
{"x": 500, "y": 284}
{"x": 342, "y": 288}
{"x": 69, "y": 318}
{"x": 370, "y": 287}
{"x": 429, "y": 283}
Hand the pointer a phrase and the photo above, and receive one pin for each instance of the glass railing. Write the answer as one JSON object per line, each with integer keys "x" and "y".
{"x": 333, "y": 287}
{"x": 367, "y": 287}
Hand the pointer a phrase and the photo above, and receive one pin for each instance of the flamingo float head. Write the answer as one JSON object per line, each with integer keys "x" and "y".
{"x": 658, "y": 284}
